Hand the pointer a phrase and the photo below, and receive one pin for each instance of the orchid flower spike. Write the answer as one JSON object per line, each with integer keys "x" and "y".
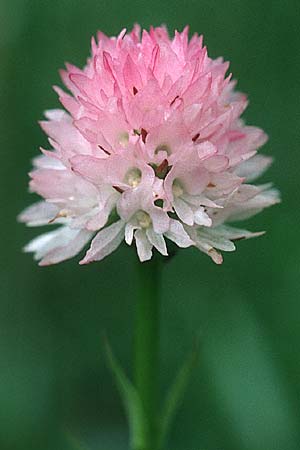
{"x": 149, "y": 147}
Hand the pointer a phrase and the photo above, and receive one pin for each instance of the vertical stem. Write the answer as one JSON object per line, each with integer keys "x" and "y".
{"x": 147, "y": 345}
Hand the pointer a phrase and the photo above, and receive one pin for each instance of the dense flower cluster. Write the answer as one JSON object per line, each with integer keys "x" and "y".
{"x": 152, "y": 147}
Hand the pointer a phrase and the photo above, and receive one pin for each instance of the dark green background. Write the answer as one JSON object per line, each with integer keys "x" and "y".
{"x": 245, "y": 392}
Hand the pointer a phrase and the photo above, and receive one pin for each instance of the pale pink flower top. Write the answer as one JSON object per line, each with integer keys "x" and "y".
{"x": 151, "y": 148}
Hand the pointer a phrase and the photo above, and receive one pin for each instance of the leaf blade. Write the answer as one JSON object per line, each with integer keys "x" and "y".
{"x": 175, "y": 395}
{"x": 131, "y": 401}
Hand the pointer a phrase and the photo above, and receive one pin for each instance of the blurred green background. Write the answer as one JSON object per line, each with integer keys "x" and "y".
{"x": 245, "y": 392}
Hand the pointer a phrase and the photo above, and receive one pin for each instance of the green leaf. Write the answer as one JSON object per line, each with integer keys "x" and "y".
{"x": 132, "y": 402}
{"x": 175, "y": 395}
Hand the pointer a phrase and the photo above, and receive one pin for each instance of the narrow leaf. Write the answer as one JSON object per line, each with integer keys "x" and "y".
{"x": 131, "y": 401}
{"x": 175, "y": 395}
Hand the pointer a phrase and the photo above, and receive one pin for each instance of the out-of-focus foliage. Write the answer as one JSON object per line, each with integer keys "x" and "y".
{"x": 245, "y": 392}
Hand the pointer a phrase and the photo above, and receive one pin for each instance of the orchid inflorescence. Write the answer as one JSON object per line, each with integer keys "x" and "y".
{"x": 152, "y": 147}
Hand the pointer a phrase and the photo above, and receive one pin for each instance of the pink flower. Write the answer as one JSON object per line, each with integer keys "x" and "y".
{"x": 151, "y": 148}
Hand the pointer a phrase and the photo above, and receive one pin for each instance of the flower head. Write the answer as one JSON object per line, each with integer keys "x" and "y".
{"x": 151, "y": 148}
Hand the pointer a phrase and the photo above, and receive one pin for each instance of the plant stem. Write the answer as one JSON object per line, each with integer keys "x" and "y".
{"x": 147, "y": 346}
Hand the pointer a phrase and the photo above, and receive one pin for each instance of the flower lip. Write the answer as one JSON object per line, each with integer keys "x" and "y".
{"x": 177, "y": 188}
{"x": 133, "y": 177}
{"x": 124, "y": 139}
{"x": 144, "y": 220}
{"x": 163, "y": 148}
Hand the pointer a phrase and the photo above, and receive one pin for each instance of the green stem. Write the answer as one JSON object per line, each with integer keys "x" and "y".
{"x": 147, "y": 346}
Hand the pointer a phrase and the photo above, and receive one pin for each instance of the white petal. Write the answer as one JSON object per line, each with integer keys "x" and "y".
{"x": 56, "y": 114}
{"x": 244, "y": 193}
{"x": 105, "y": 242}
{"x": 254, "y": 167}
{"x": 40, "y": 213}
{"x": 216, "y": 163}
{"x": 215, "y": 256}
{"x": 143, "y": 246}
{"x": 130, "y": 202}
{"x": 47, "y": 162}
{"x": 83, "y": 220}
{"x": 197, "y": 200}
{"x": 233, "y": 233}
{"x": 38, "y": 244}
{"x": 183, "y": 211}
{"x": 99, "y": 220}
{"x": 157, "y": 241}
{"x": 58, "y": 245}
{"x": 215, "y": 239}
{"x": 129, "y": 230}
{"x": 68, "y": 250}
{"x": 201, "y": 218}
{"x": 254, "y": 205}
{"x": 205, "y": 247}
{"x": 178, "y": 234}
{"x": 160, "y": 219}
{"x": 206, "y": 149}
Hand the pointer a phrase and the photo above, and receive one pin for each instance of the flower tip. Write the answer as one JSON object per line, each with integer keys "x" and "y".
{"x": 57, "y": 89}
{"x": 45, "y": 263}
{"x": 62, "y": 73}
{"x": 25, "y": 249}
{"x": 215, "y": 256}
{"x": 259, "y": 233}
{"x": 21, "y": 219}
{"x": 122, "y": 34}
{"x": 85, "y": 261}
